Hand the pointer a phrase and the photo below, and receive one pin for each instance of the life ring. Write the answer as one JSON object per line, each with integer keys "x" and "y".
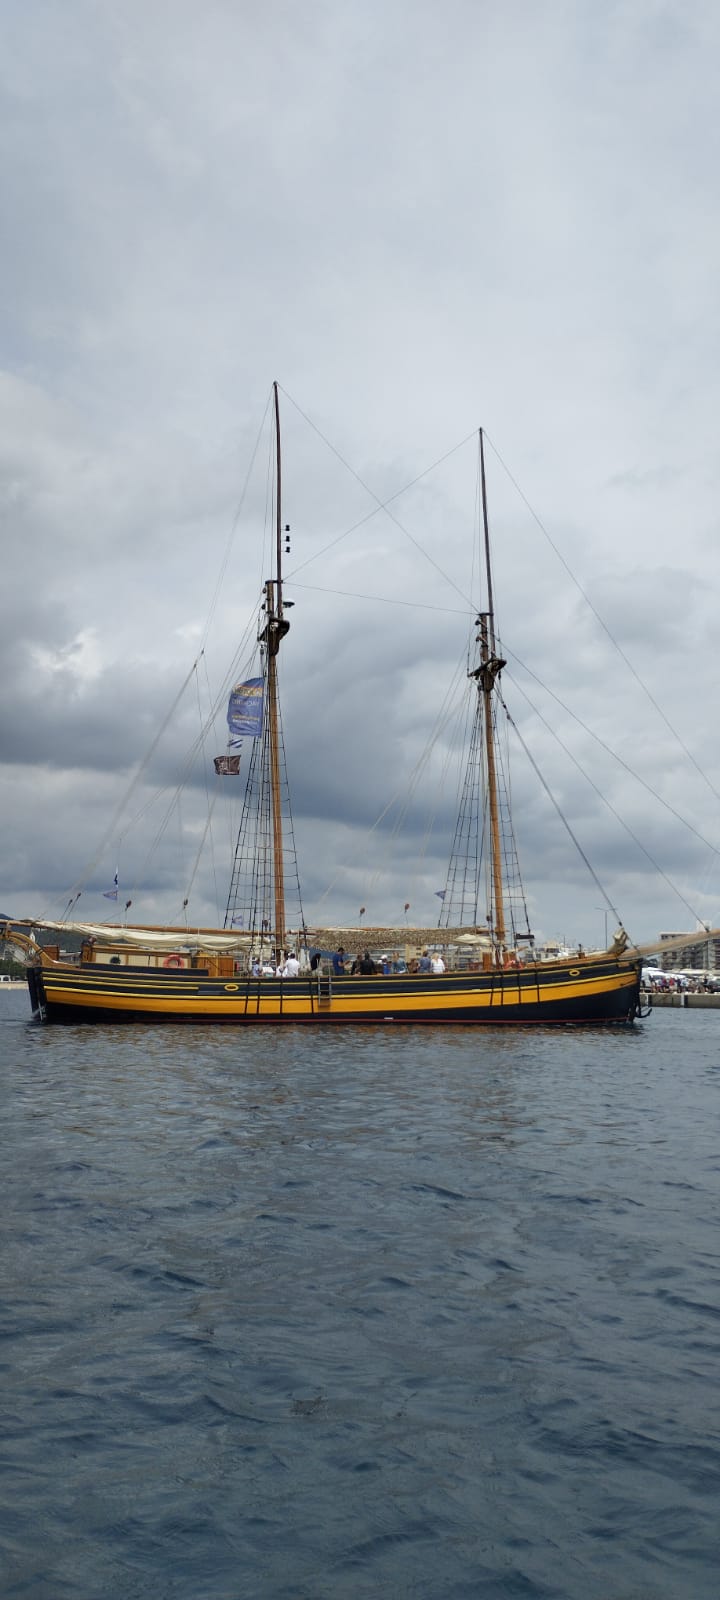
{"x": 173, "y": 961}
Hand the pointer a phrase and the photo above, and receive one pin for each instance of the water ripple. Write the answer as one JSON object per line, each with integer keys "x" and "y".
{"x": 335, "y": 1317}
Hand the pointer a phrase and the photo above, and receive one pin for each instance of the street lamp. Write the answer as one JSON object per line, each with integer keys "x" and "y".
{"x": 604, "y": 912}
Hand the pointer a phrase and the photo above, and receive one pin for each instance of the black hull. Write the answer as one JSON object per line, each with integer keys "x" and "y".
{"x": 596, "y": 993}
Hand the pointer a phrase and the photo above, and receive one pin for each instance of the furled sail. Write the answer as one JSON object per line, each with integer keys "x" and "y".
{"x": 150, "y": 937}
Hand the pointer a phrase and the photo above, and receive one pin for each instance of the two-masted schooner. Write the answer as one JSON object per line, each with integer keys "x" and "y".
{"x": 239, "y": 974}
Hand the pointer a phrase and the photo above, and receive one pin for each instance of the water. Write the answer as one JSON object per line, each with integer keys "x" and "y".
{"x": 400, "y": 1314}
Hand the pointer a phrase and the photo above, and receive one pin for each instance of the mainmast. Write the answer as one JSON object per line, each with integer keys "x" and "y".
{"x": 488, "y": 671}
{"x": 271, "y": 635}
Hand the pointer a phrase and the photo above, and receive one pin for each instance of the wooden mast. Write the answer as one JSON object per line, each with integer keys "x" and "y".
{"x": 274, "y": 631}
{"x": 490, "y": 667}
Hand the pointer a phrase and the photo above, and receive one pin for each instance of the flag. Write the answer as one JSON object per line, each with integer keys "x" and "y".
{"x": 440, "y": 894}
{"x": 111, "y": 894}
{"x": 245, "y": 709}
{"x": 237, "y": 922}
{"x": 406, "y": 906}
{"x": 227, "y": 766}
{"x": 362, "y": 911}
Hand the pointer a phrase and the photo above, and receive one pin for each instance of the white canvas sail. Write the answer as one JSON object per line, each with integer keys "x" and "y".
{"x": 157, "y": 938}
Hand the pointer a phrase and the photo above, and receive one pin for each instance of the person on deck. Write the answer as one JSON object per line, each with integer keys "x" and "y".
{"x": 367, "y": 965}
{"x": 338, "y": 961}
{"x": 424, "y": 964}
{"x": 291, "y": 968}
{"x": 437, "y": 964}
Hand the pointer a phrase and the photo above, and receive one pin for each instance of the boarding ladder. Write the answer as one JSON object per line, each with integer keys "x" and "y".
{"x": 324, "y": 978}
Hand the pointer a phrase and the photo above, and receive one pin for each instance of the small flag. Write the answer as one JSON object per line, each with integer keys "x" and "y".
{"x": 112, "y": 894}
{"x": 362, "y": 911}
{"x": 237, "y": 922}
{"x": 440, "y": 894}
{"x": 227, "y": 766}
{"x": 407, "y": 905}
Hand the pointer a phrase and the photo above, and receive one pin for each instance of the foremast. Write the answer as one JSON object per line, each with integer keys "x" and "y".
{"x": 271, "y": 635}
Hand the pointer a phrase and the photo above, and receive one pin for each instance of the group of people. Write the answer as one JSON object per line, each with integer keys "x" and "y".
{"x": 364, "y": 965}
{"x": 682, "y": 983}
{"x": 388, "y": 965}
{"x": 286, "y": 964}
{"x": 431, "y": 963}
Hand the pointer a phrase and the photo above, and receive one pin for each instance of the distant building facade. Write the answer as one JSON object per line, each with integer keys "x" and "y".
{"x": 705, "y": 954}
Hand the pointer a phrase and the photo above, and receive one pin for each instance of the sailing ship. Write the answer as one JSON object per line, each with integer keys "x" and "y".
{"x": 489, "y": 973}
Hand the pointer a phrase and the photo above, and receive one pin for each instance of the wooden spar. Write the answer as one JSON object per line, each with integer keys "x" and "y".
{"x": 275, "y": 803}
{"x": 274, "y": 632}
{"x": 487, "y": 679}
{"x": 278, "y": 506}
{"x": 486, "y": 536}
{"x": 487, "y": 672}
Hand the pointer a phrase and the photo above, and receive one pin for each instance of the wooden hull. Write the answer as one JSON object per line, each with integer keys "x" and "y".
{"x": 602, "y": 991}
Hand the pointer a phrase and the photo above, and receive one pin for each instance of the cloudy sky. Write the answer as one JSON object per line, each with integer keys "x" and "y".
{"x": 419, "y": 219}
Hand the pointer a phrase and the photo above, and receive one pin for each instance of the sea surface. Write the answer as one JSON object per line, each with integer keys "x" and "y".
{"x": 332, "y": 1316}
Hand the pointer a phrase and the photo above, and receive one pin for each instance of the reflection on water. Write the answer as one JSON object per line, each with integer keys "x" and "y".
{"x": 410, "y": 1313}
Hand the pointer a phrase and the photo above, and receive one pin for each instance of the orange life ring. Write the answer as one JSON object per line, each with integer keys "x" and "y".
{"x": 173, "y": 961}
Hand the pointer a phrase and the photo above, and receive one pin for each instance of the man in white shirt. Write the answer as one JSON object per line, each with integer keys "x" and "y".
{"x": 438, "y": 965}
{"x": 291, "y": 968}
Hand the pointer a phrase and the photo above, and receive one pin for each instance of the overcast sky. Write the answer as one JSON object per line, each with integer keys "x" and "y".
{"x": 419, "y": 219}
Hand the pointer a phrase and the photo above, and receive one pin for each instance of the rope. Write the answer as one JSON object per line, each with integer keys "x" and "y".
{"x": 610, "y": 807}
{"x": 90, "y": 866}
{"x": 599, "y": 886}
{"x": 606, "y": 747}
{"x": 603, "y": 625}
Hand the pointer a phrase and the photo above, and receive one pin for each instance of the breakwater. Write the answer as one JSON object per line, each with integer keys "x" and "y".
{"x": 681, "y": 1001}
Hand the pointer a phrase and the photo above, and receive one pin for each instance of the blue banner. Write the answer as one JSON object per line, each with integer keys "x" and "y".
{"x": 245, "y": 709}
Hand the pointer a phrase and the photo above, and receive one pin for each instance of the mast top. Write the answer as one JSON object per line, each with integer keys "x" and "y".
{"x": 276, "y": 625}
{"x": 278, "y": 502}
{"x": 486, "y": 540}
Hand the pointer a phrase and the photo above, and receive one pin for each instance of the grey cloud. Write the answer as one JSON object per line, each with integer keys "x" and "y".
{"x": 496, "y": 220}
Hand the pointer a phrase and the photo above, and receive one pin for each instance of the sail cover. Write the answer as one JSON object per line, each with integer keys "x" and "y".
{"x": 245, "y": 709}
{"x": 149, "y": 937}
